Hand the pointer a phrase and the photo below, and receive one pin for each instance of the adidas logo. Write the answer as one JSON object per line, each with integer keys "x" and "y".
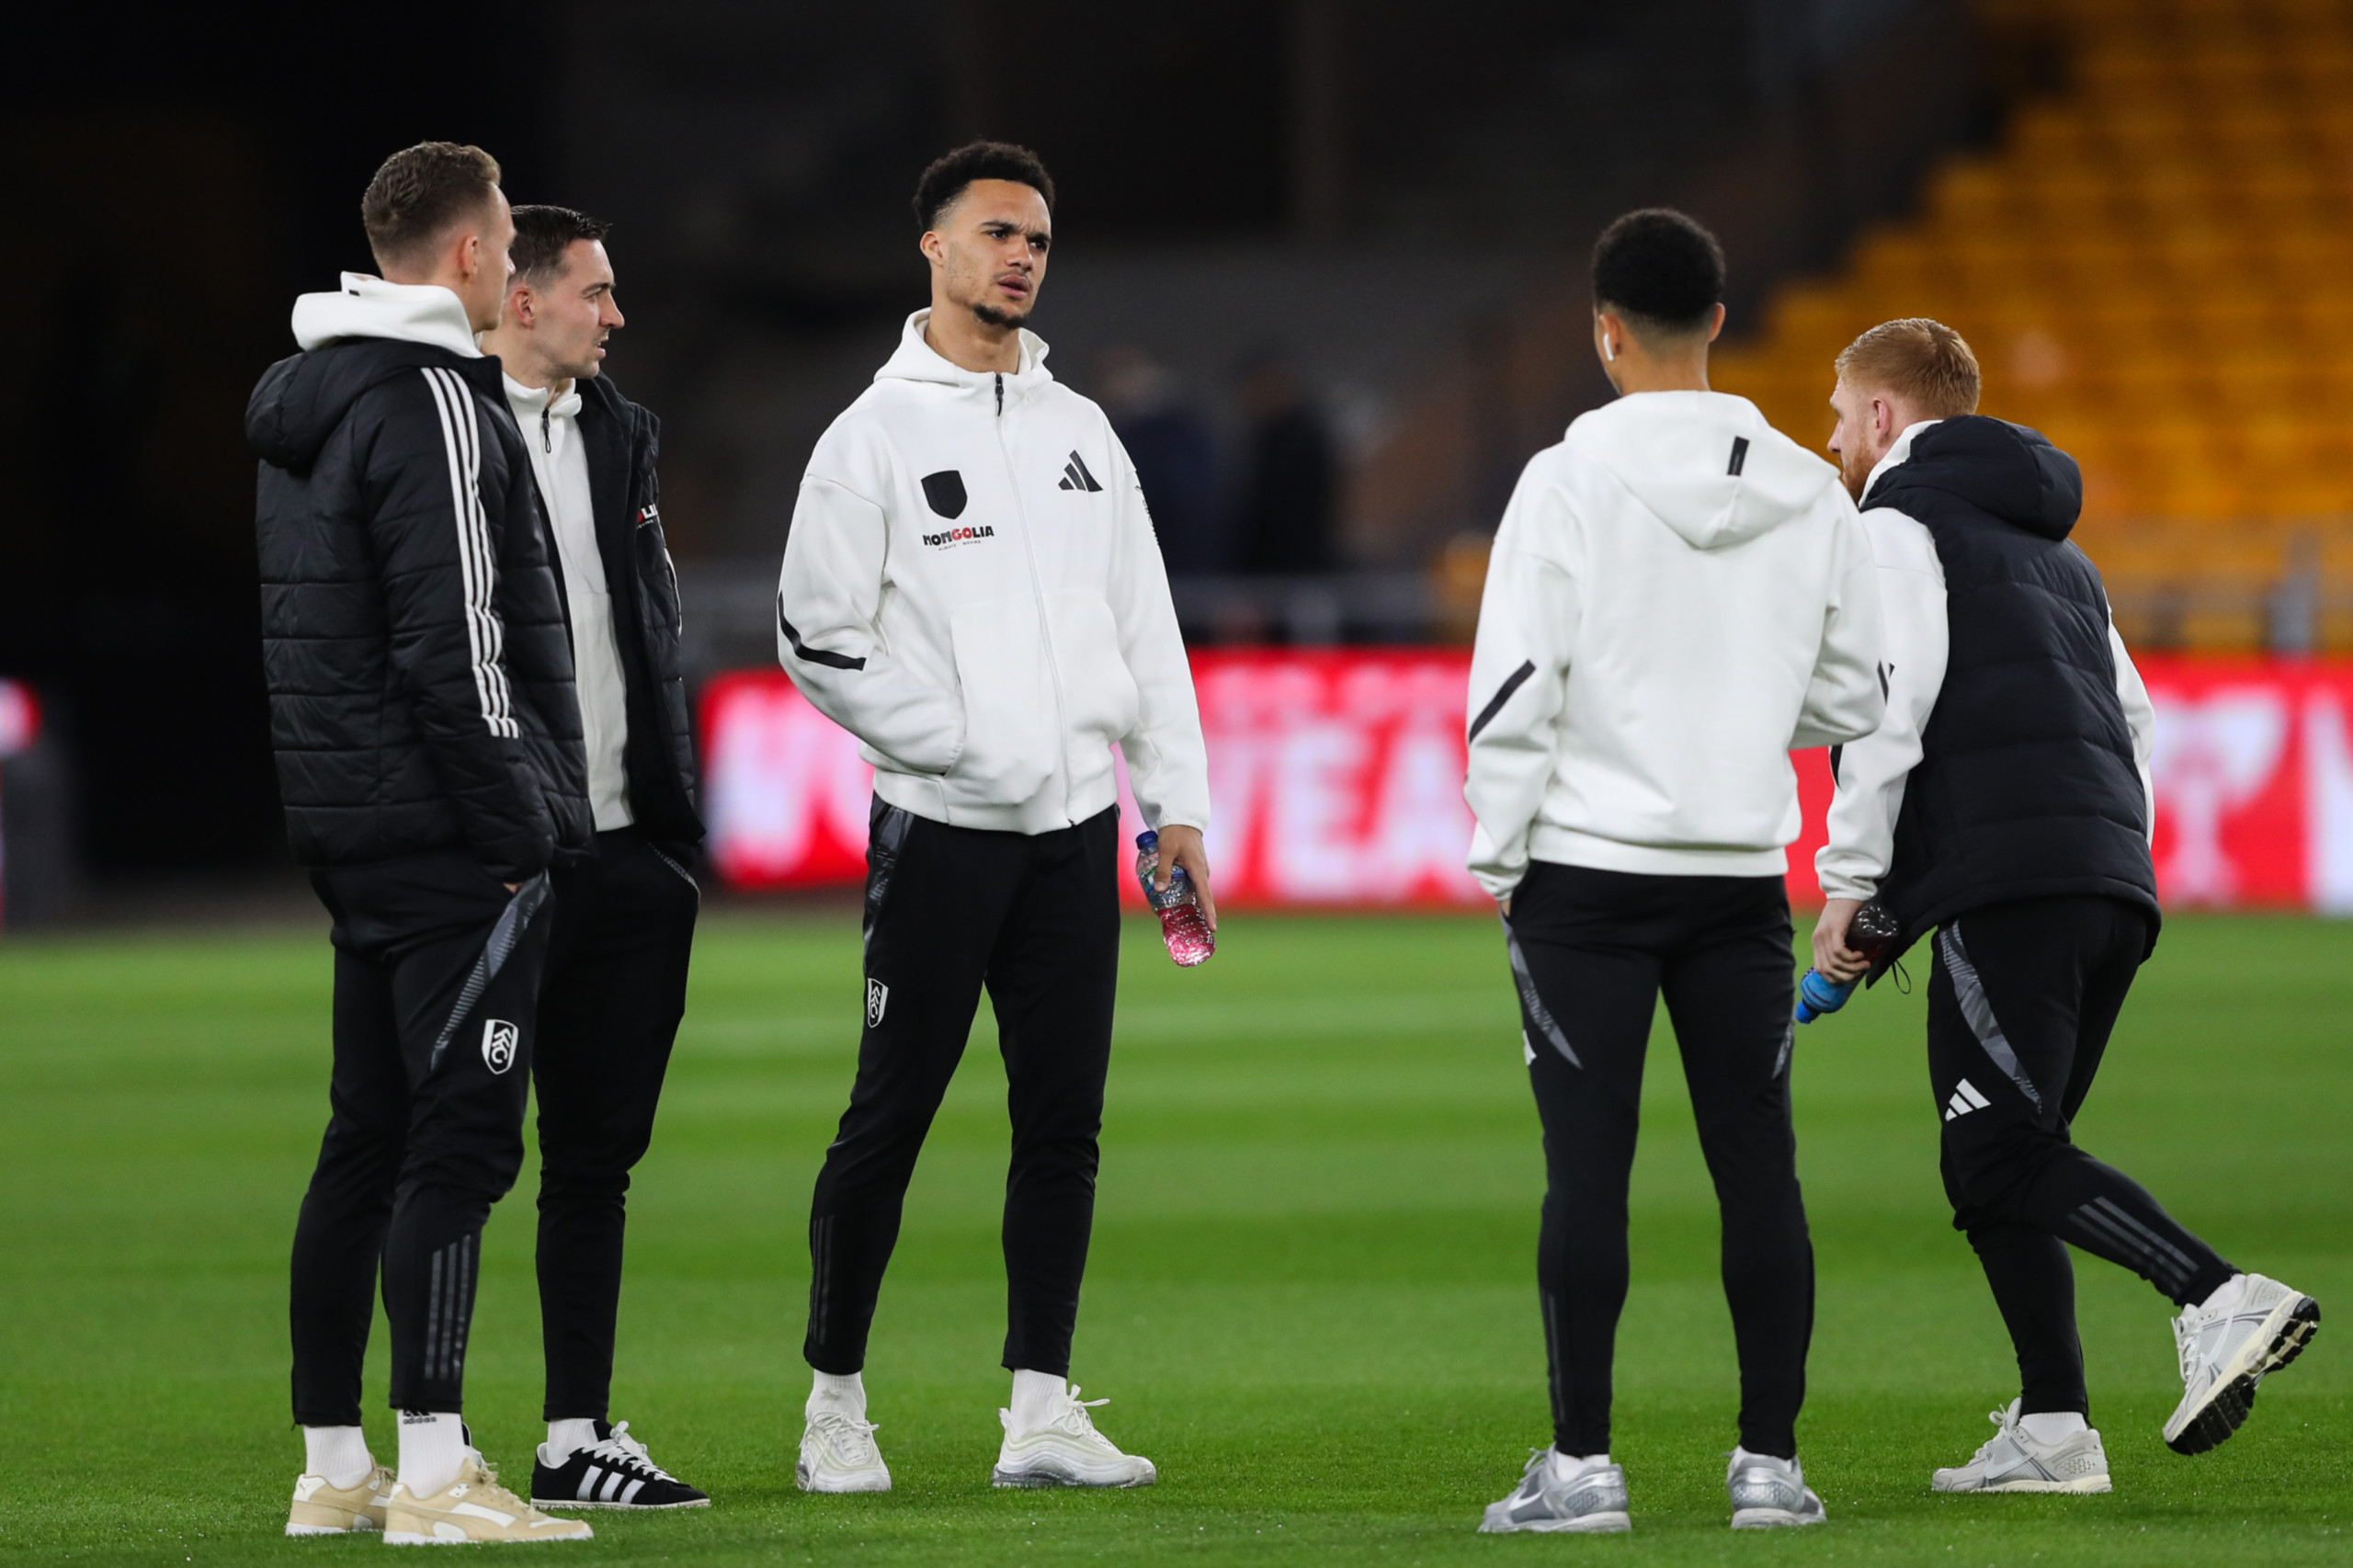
{"x": 1075, "y": 477}
{"x": 1965, "y": 1098}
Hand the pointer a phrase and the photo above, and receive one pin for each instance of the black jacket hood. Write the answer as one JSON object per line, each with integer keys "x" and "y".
{"x": 2002, "y": 469}
{"x": 299, "y": 402}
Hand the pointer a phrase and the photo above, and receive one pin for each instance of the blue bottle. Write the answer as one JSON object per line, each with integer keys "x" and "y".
{"x": 1873, "y": 931}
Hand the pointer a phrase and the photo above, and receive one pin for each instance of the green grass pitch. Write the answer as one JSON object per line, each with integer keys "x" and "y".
{"x": 1311, "y": 1299}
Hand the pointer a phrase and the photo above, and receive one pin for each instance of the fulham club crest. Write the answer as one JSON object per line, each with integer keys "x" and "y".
{"x": 499, "y": 1041}
{"x": 877, "y": 996}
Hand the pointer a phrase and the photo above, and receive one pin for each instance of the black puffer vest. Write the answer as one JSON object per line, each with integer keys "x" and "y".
{"x": 2026, "y": 786}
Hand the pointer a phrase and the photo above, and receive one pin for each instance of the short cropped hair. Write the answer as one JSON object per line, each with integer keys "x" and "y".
{"x": 543, "y": 233}
{"x": 1661, "y": 268}
{"x": 420, "y": 193}
{"x": 949, "y": 175}
{"x": 1924, "y": 362}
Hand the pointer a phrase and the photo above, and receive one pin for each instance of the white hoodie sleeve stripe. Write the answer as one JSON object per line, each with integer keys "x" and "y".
{"x": 827, "y": 598}
{"x": 462, "y": 439}
{"x": 1520, "y": 665}
{"x": 2140, "y": 717}
{"x": 1872, "y": 772}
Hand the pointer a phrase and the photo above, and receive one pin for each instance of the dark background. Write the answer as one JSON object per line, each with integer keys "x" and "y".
{"x": 1395, "y": 199}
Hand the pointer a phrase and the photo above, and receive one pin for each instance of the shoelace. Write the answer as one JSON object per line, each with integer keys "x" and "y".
{"x": 1075, "y": 1421}
{"x": 2000, "y": 1418}
{"x": 853, "y": 1436}
{"x": 620, "y": 1448}
{"x": 2184, "y": 1339}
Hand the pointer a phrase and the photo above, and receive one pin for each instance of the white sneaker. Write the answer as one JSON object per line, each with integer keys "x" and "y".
{"x": 1066, "y": 1451}
{"x": 1768, "y": 1493}
{"x": 1588, "y": 1501}
{"x": 321, "y": 1507}
{"x": 472, "y": 1509}
{"x": 2229, "y": 1349}
{"x": 838, "y": 1454}
{"x": 2011, "y": 1461}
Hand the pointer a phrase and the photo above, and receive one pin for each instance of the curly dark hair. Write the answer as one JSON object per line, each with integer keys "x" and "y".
{"x": 543, "y": 233}
{"x": 944, "y": 180}
{"x": 420, "y": 192}
{"x": 1661, "y": 268}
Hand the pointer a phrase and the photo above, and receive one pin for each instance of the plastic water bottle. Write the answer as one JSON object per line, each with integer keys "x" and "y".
{"x": 1870, "y": 933}
{"x": 1187, "y": 936}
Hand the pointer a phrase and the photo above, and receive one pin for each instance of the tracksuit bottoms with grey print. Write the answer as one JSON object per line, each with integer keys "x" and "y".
{"x": 1592, "y": 952}
{"x": 436, "y": 984}
{"x": 1034, "y": 918}
{"x": 2022, "y": 997}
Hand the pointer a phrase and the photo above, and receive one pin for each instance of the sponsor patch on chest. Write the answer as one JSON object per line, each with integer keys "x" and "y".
{"x": 948, "y": 539}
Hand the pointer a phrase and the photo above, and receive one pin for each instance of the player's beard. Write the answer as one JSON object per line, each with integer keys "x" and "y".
{"x": 1000, "y": 318}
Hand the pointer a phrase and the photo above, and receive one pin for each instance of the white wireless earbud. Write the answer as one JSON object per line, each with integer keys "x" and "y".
{"x": 1609, "y": 349}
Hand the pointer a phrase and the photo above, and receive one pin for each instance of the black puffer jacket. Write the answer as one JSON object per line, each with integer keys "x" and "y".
{"x": 623, "y": 442}
{"x": 413, "y": 635}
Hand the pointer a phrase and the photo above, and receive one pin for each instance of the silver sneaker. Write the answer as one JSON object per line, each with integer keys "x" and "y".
{"x": 2011, "y": 1461}
{"x": 2226, "y": 1352}
{"x": 1592, "y": 1501}
{"x": 1768, "y": 1493}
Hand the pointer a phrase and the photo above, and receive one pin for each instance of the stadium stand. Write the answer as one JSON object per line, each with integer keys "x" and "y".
{"x": 2152, "y": 266}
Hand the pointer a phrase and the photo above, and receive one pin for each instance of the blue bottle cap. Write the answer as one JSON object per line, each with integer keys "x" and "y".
{"x": 1148, "y": 839}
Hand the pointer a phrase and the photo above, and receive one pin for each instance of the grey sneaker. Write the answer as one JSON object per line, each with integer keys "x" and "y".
{"x": 2011, "y": 1461}
{"x": 2225, "y": 1353}
{"x": 1591, "y": 1501}
{"x": 1767, "y": 1493}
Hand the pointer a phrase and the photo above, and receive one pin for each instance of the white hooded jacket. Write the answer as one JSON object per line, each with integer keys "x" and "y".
{"x": 971, "y": 587}
{"x": 1679, "y": 595}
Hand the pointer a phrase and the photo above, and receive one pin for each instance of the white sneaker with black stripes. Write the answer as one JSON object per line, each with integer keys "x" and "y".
{"x": 614, "y": 1472}
{"x": 2229, "y": 1343}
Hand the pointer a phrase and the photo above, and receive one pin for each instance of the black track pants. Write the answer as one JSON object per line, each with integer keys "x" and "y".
{"x": 616, "y": 987}
{"x": 1037, "y": 920}
{"x": 436, "y": 981}
{"x": 1592, "y": 952}
{"x": 2022, "y": 998}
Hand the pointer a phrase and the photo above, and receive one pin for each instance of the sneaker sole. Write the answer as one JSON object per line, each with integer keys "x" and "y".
{"x": 411, "y": 1538}
{"x": 2082, "y": 1486}
{"x": 853, "y": 1485}
{"x": 2227, "y": 1403}
{"x": 292, "y": 1529}
{"x": 573, "y": 1505}
{"x": 1033, "y": 1481}
{"x": 1773, "y": 1519}
{"x": 1609, "y": 1523}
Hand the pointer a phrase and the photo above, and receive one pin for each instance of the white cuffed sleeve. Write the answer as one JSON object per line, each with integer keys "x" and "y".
{"x": 2140, "y": 717}
{"x": 1845, "y": 700}
{"x": 826, "y": 638}
{"x": 1167, "y": 760}
{"x": 1519, "y": 668}
{"x": 1872, "y": 772}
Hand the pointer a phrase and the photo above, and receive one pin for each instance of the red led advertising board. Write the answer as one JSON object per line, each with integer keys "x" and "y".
{"x": 1337, "y": 781}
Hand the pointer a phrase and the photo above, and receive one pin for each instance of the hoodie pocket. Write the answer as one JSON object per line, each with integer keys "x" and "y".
{"x": 1098, "y": 688}
{"x": 1008, "y": 700}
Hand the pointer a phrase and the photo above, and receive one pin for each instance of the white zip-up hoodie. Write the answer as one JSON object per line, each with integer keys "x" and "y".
{"x": 971, "y": 587}
{"x": 1679, "y": 595}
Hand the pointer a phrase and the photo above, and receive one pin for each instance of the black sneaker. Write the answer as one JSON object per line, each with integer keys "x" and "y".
{"x": 615, "y": 1472}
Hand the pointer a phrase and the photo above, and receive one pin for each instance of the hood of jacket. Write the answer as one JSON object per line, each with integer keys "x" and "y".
{"x": 351, "y": 340}
{"x": 1704, "y": 463}
{"x": 2006, "y": 470}
{"x": 916, "y": 360}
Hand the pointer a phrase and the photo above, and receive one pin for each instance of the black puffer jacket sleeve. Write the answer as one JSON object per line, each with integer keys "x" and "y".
{"x": 438, "y": 527}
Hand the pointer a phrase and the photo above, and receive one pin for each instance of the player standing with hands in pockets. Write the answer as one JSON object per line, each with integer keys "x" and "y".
{"x": 2006, "y": 806}
{"x": 1679, "y": 595}
{"x": 971, "y": 587}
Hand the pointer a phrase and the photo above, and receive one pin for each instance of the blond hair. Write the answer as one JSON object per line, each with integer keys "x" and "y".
{"x": 1924, "y": 362}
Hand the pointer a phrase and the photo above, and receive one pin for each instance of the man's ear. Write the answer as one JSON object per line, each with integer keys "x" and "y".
{"x": 521, "y": 305}
{"x": 934, "y": 246}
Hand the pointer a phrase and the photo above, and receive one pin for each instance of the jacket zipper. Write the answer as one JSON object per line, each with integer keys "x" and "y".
{"x": 547, "y": 440}
{"x": 1037, "y": 590}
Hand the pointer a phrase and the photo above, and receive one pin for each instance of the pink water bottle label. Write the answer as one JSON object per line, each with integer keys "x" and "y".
{"x": 1183, "y": 930}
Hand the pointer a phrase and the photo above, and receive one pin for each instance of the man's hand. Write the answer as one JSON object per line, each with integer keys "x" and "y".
{"x": 1833, "y": 958}
{"x": 1505, "y": 904}
{"x": 1181, "y": 845}
{"x": 512, "y": 887}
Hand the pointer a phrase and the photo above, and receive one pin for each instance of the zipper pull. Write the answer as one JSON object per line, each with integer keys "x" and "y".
{"x": 1000, "y": 394}
{"x": 547, "y": 441}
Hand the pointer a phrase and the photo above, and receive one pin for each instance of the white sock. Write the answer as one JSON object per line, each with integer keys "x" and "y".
{"x": 2047, "y": 1426}
{"x": 845, "y": 1394}
{"x": 433, "y": 1449}
{"x": 1567, "y": 1467}
{"x": 567, "y": 1438}
{"x": 1741, "y": 1456}
{"x": 339, "y": 1453}
{"x": 1033, "y": 1398}
{"x": 2226, "y": 1295}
